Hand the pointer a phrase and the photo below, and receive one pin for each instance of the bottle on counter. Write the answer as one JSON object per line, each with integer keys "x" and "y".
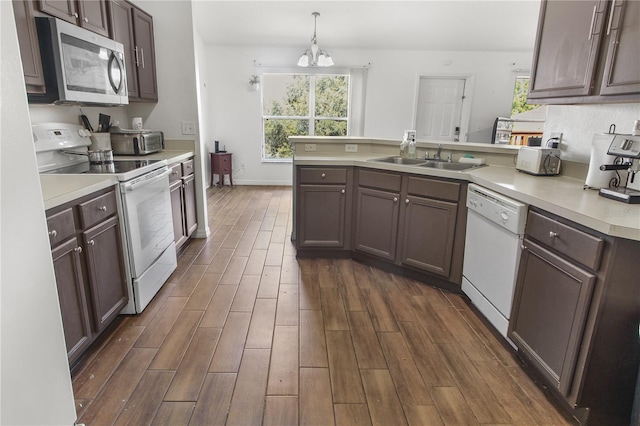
{"x": 411, "y": 149}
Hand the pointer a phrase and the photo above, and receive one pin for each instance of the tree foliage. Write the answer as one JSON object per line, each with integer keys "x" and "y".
{"x": 331, "y": 101}
{"x": 520, "y": 91}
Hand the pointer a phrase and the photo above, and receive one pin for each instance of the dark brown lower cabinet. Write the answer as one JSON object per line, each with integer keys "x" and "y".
{"x": 109, "y": 294}
{"x": 376, "y": 224}
{"x": 89, "y": 266}
{"x": 575, "y": 316}
{"x": 323, "y": 215}
{"x": 552, "y": 301}
{"x": 183, "y": 201}
{"x": 428, "y": 234}
{"x": 67, "y": 265}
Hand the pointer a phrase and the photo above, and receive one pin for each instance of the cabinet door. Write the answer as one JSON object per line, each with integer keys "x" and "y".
{"x": 179, "y": 233}
{"x": 622, "y": 67}
{"x": 189, "y": 193}
{"x": 323, "y": 215}
{"x": 105, "y": 267}
{"x": 63, "y": 9}
{"x": 67, "y": 266}
{"x": 143, "y": 35}
{"x": 93, "y": 16}
{"x": 29, "y": 46}
{"x": 121, "y": 21}
{"x": 566, "y": 50}
{"x": 428, "y": 230}
{"x": 377, "y": 222}
{"x": 549, "y": 312}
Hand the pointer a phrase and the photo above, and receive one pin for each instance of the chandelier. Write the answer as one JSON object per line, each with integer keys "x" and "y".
{"x": 315, "y": 57}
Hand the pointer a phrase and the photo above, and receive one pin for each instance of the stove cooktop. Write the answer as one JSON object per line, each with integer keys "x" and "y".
{"x": 117, "y": 167}
{"x": 123, "y": 170}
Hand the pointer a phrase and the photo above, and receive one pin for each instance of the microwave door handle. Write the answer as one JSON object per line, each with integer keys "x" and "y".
{"x": 114, "y": 60}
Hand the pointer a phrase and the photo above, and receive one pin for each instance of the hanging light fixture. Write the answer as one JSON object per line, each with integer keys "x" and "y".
{"x": 315, "y": 57}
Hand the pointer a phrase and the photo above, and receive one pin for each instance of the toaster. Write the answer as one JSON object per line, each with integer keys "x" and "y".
{"x": 538, "y": 161}
{"x": 136, "y": 142}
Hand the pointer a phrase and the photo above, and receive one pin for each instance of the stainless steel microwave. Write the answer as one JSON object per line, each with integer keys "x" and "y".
{"x": 80, "y": 67}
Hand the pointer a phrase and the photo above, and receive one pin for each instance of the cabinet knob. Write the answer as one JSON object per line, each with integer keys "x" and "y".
{"x": 406, "y": 201}
{"x": 343, "y": 191}
{"x": 86, "y": 19}
{"x": 395, "y": 199}
{"x": 78, "y": 249}
{"x": 523, "y": 247}
{"x": 53, "y": 233}
{"x": 102, "y": 208}
{"x": 91, "y": 242}
{"x": 174, "y": 173}
{"x": 75, "y": 15}
{"x": 324, "y": 175}
{"x": 553, "y": 234}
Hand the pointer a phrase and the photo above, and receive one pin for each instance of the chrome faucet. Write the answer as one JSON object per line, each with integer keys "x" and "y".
{"x": 438, "y": 153}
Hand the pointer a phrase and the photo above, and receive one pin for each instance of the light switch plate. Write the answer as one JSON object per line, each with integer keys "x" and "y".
{"x": 350, "y": 147}
{"x": 310, "y": 147}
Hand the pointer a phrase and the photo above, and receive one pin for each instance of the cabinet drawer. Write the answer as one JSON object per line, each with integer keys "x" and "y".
{"x": 176, "y": 173}
{"x": 577, "y": 245}
{"x": 432, "y": 188}
{"x": 187, "y": 168}
{"x": 379, "y": 180}
{"x": 98, "y": 209}
{"x": 61, "y": 226}
{"x": 322, "y": 175}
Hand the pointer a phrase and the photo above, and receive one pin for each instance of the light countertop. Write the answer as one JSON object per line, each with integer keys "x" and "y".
{"x": 60, "y": 189}
{"x": 561, "y": 195}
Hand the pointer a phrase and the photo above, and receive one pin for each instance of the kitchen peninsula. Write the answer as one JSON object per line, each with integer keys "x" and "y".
{"x": 594, "y": 363}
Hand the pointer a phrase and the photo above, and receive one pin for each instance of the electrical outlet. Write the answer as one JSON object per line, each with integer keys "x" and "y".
{"x": 188, "y": 127}
{"x": 350, "y": 147}
{"x": 310, "y": 147}
{"x": 557, "y": 135}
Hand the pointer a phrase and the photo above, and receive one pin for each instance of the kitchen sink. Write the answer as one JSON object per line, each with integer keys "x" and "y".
{"x": 448, "y": 166}
{"x": 400, "y": 160}
{"x": 434, "y": 164}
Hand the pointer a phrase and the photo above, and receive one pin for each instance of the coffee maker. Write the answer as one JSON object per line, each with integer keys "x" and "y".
{"x": 626, "y": 152}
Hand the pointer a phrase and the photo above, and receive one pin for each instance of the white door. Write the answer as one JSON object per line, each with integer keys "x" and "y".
{"x": 439, "y": 108}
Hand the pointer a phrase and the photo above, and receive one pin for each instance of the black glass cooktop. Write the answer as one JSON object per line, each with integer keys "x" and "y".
{"x": 117, "y": 167}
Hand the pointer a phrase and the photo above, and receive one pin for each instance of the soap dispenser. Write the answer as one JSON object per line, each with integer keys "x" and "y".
{"x": 411, "y": 150}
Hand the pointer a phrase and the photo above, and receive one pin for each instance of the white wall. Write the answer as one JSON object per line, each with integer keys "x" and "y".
{"x": 579, "y": 123}
{"x": 35, "y": 381}
{"x": 233, "y": 111}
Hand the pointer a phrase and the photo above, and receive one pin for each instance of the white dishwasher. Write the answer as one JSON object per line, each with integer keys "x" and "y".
{"x": 495, "y": 226}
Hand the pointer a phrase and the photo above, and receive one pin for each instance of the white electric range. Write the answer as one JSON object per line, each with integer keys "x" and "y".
{"x": 144, "y": 202}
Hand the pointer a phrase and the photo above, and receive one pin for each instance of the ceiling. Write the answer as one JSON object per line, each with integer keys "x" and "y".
{"x": 471, "y": 25}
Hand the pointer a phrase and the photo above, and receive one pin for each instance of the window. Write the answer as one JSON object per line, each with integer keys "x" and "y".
{"x": 520, "y": 91}
{"x": 301, "y": 105}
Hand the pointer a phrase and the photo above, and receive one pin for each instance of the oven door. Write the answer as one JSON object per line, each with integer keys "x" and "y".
{"x": 148, "y": 219}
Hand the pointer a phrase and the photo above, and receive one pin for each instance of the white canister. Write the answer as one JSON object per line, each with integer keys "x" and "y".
{"x": 136, "y": 123}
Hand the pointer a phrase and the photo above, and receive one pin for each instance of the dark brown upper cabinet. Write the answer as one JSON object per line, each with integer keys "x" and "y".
{"x": 88, "y": 14}
{"x": 586, "y": 52}
{"x": 134, "y": 29}
{"x": 24, "y": 12}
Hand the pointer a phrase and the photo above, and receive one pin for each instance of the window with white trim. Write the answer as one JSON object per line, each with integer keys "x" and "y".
{"x": 301, "y": 105}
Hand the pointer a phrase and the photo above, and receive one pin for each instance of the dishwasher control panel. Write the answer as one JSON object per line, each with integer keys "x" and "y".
{"x": 503, "y": 211}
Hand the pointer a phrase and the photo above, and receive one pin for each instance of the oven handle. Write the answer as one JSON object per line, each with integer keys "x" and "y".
{"x": 139, "y": 183}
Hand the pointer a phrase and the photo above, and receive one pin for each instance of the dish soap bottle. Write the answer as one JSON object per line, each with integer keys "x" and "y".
{"x": 411, "y": 150}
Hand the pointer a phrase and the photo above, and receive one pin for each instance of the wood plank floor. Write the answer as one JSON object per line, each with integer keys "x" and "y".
{"x": 245, "y": 334}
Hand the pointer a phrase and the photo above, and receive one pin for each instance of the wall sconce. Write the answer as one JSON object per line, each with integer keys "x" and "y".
{"x": 254, "y": 83}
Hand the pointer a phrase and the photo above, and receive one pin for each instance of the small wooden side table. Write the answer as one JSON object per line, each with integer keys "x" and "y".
{"x": 221, "y": 165}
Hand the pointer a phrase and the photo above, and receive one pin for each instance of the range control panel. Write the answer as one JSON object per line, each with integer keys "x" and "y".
{"x": 627, "y": 146}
